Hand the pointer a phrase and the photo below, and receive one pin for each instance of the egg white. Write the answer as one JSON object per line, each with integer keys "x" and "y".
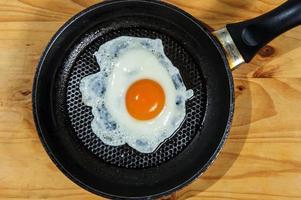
{"x": 122, "y": 62}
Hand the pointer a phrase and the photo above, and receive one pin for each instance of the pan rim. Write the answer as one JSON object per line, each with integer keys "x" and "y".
{"x": 35, "y": 101}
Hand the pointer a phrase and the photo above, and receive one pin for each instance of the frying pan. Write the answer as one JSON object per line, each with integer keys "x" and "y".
{"x": 205, "y": 61}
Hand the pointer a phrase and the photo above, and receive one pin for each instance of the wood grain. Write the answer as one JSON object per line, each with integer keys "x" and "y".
{"x": 261, "y": 158}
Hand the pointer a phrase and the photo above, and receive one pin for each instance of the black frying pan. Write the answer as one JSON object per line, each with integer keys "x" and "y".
{"x": 205, "y": 61}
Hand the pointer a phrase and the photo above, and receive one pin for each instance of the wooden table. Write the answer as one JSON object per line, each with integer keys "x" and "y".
{"x": 261, "y": 158}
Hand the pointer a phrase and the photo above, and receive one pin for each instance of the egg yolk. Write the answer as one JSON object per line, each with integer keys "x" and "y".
{"x": 145, "y": 99}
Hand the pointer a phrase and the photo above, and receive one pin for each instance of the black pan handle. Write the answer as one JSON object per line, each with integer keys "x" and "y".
{"x": 251, "y": 35}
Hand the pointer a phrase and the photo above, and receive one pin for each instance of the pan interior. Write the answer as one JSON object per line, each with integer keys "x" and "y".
{"x": 80, "y": 62}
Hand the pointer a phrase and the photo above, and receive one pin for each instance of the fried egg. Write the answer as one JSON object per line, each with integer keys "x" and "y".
{"x": 138, "y": 96}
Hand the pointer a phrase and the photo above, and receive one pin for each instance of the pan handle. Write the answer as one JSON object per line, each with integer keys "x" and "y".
{"x": 251, "y": 35}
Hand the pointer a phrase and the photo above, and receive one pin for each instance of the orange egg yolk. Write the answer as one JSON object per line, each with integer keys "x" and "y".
{"x": 145, "y": 99}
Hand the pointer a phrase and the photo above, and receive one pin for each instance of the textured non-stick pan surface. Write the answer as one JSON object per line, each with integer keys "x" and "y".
{"x": 81, "y": 63}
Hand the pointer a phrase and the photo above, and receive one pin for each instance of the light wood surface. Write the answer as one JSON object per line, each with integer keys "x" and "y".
{"x": 261, "y": 158}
